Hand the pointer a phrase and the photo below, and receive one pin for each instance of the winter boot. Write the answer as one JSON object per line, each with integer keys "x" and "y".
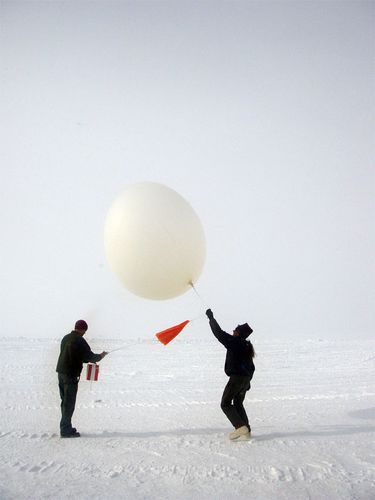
{"x": 72, "y": 434}
{"x": 240, "y": 433}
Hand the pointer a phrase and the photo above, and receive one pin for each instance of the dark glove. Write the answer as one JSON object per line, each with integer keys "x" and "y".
{"x": 209, "y": 314}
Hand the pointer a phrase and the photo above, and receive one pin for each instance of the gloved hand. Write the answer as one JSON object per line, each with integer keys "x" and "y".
{"x": 103, "y": 354}
{"x": 209, "y": 314}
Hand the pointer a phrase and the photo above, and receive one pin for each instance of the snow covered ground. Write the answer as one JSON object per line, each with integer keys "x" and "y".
{"x": 152, "y": 427}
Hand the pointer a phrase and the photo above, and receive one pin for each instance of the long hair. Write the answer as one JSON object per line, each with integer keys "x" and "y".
{"x": 251, "y": 349}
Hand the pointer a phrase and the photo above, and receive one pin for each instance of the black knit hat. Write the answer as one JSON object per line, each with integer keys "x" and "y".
{"x": 244, "y": 330}
{"x": 81, "y": 325}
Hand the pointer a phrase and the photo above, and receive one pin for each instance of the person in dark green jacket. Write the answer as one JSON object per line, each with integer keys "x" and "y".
{"x": 74, "y": 351}
{"x": 240, "y": 368}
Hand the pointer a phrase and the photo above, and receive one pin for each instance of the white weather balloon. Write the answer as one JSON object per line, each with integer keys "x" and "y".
{"x": 154, "y": 241}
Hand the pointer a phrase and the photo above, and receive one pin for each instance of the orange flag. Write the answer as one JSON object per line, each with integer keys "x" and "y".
{"x": 169, "y": 334}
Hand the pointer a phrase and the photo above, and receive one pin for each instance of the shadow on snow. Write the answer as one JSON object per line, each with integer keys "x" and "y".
{"x": 321, "y": 431}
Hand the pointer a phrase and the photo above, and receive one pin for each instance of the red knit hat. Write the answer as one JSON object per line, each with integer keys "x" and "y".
{"x": 81, "y": 325}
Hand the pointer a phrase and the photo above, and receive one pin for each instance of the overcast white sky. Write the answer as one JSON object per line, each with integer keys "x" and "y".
{"x": 261, "y": 114}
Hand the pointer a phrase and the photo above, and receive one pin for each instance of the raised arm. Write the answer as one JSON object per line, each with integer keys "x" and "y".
{"x": 221, "y": 336}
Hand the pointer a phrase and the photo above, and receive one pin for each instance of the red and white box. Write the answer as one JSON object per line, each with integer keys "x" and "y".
{"x": 92, "y": 371}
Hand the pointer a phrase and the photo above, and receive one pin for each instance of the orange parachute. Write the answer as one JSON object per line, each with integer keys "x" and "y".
{"x": 165, "y": 336}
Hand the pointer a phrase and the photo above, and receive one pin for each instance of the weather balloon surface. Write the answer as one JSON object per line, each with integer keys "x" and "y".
{"x": 154, "y": 241}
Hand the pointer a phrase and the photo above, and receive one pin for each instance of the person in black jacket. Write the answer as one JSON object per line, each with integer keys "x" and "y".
{"x": 74, "y": 352}
{"x": 240, "y": 368}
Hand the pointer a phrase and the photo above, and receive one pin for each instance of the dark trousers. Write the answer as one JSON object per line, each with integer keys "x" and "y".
{"x": 68, "y": 387}
{"x": 233, "y": 398}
